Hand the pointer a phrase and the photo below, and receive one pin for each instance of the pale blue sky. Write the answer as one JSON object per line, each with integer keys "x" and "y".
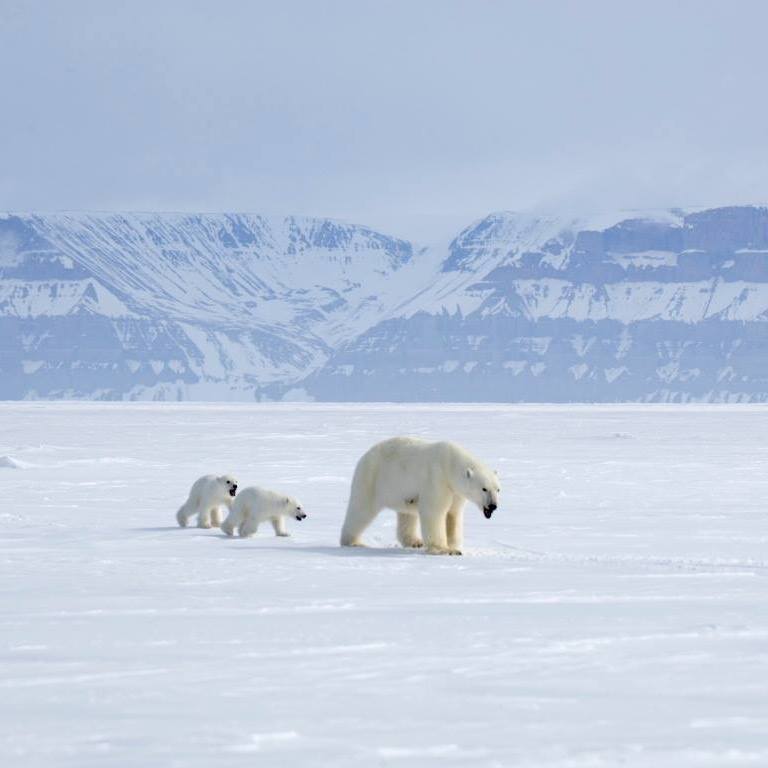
{"x": 387, "y": 113}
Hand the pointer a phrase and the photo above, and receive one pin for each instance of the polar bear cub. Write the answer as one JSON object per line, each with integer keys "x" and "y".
{"x": 254, "y": 506}
{"x": 426, "y": 484}
{"x": 206, "y": 498}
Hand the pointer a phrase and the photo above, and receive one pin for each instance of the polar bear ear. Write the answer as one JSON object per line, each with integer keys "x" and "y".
{"x": 470, "y": 473}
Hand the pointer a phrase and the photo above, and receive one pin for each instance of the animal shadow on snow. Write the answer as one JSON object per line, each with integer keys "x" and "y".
{"x": 160, "y": 528}
{"x": 333, "y": 551}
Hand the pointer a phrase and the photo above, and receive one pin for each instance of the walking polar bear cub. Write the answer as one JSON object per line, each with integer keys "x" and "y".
{"x": 206, "y": 498}
{"x": 256, "y": 505}
{"x": 427, "y": 485}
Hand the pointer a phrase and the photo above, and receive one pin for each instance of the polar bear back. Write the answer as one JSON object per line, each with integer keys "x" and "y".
{"x": 258, "y": 500}
{"x": 209, "y": 489}
{"x": 401, "y": 468}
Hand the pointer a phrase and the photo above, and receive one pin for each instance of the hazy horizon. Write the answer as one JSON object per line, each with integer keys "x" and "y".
{"x": 411, "y": 119}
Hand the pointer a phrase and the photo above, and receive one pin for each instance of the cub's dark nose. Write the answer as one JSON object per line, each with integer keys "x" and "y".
{"x": 489, "y": 510}
{"x": 300, "y": 516}
{"x": 233, "y": 490}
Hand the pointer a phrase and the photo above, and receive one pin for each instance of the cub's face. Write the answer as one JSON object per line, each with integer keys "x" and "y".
{"x": 482, "y": 488}
{"x": 229, "y": 485}
{"x": 294, "y": 509}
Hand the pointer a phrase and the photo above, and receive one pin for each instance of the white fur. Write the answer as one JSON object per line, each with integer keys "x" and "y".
{"x": 254, "y": 506}
{"x": 206, "y": 498}
{"x": 426, "y": 484}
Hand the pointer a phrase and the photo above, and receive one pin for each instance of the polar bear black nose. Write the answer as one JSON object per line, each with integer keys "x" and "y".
{"x": 491, "y": 507}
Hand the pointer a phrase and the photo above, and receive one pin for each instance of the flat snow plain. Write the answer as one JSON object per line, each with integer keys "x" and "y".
{"x": 613, "y": 611}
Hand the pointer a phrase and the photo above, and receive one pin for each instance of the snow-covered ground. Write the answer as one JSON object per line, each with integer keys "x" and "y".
{"x": 613, "y": 611}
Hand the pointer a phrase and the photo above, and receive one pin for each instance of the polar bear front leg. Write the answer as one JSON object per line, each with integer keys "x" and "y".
{"x": 408, "y": 533}
{"x": 454, "y": 525}
{"x": 216, "y": 517}
{"x": 278, "y": 523}
{"x": 433, "y": 509}
{"x": 204, "y": 518}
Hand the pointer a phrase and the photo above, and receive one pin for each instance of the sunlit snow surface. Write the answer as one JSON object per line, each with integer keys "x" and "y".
{"x": 613, "y": 611}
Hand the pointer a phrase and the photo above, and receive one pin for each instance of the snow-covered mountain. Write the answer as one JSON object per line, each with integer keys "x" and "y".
{"x": 182, "y": 306}
{"x": 661, "y": 306}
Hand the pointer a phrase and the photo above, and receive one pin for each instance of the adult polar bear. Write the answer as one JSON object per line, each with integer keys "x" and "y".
{"x": 425, "y": 483}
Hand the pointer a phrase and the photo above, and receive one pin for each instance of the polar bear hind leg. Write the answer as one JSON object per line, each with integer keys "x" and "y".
{"x": 454, "y": 524}
{"x": 357, "y": 520}
{"x": 433, "y": 509}
{"x": 232, "y": 521}
{"x": 278, "y": 523}
{"x": 186, "y": 510}
{"x": 408, "y": 532}
{"x": 361, "y": 509}
{"x": 248, "y": 524}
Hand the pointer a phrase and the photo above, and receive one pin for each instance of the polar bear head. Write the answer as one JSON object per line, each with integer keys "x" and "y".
{"x": 228, "y": 485}
{"x": 480, "y": 486}
{"x": 293, "y": 508}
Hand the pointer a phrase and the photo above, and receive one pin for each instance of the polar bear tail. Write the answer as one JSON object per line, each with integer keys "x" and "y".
{"x": 361, "y": 509}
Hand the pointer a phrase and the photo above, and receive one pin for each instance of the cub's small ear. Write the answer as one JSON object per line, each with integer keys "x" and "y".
{"x": 287, "y": 500}
{"x": 470, "y": 473}
{"x": 496, "y": 472}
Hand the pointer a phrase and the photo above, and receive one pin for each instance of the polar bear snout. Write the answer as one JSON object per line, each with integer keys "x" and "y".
{"x": 489, "y": 510}
{"x": 232, "y": 490}
{"x": 300, "y": 514}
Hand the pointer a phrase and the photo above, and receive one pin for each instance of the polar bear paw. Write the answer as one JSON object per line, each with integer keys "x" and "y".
{"x": 436, "y": 550}
{"x": 282, "y": 533}
{"x": 413, "y": 544}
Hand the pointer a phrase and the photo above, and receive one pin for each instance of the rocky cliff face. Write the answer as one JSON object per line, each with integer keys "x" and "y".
{"x": 669, "y": 306}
